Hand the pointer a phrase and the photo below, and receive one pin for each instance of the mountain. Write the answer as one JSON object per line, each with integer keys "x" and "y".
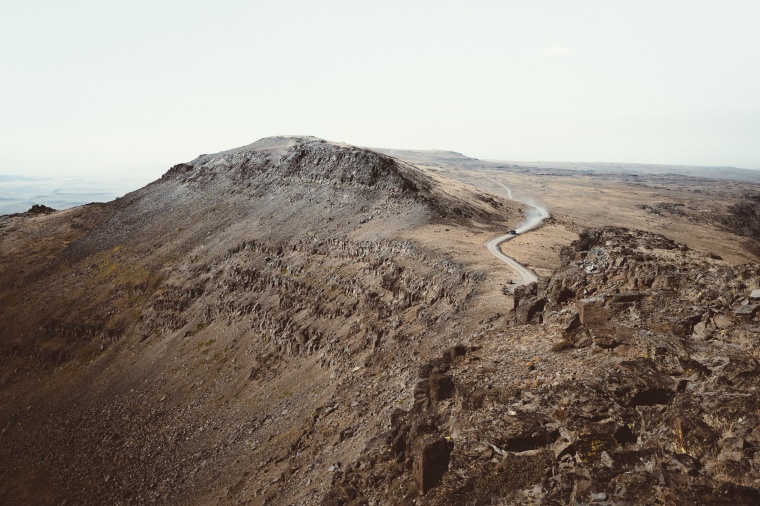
{"x": 209, "y": 327}
{"x": 298, "y": 321}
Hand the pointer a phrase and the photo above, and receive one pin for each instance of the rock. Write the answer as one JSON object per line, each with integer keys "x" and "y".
{"x": 693, "y": 437}
{"x": 519, "y": 438}
{"x": 581, "y": 490}
{"x": 562, "y": 447}
{"x": 723, "y": 322}
{"x": 40, "y": 209}
{"x": 529, "y": 310}
{"x": 750, "y": 310}
{"x": 441, "y": 387}
{"x": 593, "y": 312}
{"x": 431, "y": 461}
{"x": 755, "y": 295}
{"x": 700, "y": 331}
{"x": 639, "y": 383}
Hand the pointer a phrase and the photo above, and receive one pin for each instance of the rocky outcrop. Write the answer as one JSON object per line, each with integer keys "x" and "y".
{"x": 744, "y": 218}
{"x": 417, "y": 450}
{"x": 316, "y": 163}
{"x": 650, "y": 401}
{"x": 303, "y": 160}
{"x": 40, "y": 209}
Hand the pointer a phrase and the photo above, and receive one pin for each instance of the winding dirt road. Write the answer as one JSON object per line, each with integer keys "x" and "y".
{"x": 533, "y": 219}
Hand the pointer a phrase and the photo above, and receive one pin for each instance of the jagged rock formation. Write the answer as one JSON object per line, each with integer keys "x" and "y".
{"x": 744, "y": 217}
{"x": 633, "y": 381}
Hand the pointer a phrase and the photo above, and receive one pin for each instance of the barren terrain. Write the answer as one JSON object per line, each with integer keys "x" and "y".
{"x": 304, "y": 322}
{"x": 689, "y": 209}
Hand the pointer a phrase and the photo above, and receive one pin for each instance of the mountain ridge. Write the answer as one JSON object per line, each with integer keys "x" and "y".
{"x": 304, "y": 322}
{"x": 233, "y": 289}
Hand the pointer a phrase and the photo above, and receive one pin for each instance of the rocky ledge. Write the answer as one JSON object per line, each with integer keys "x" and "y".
{"x": 304, "y": 160}
{"x": 631, "y": 376}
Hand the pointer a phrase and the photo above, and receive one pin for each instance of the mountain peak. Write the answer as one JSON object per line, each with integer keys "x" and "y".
{"x": 304, "y": 159}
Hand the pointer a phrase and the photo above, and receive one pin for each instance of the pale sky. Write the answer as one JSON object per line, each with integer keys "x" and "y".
{"x": 118, "y": 87}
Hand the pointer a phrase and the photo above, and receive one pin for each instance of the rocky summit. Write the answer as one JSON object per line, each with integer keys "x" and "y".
{"x": 298, "y": 321}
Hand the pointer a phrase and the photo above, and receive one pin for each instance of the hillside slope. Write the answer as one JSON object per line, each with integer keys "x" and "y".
{"x": 229, "y": 331}
{"x": 304, "y": 322}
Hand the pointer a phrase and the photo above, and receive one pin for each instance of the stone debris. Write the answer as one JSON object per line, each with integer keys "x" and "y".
{"x": 653, "y": 400}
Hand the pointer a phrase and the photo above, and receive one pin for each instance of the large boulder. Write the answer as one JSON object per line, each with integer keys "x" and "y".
{"x": 593, "y": 311}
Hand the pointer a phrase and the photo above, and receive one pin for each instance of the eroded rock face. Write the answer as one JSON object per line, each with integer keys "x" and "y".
{"x": 744, "y": 217}
{"x": 431, "y": 461}
{"x": 651, "y": 400}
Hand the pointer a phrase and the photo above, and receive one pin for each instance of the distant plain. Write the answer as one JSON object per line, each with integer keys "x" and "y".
{"x": 19, "y": 193}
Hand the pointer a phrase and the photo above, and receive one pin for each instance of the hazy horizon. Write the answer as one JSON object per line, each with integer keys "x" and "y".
{"x": 18, "y": 193}
{"x": 152, "y": 173}
{"x": 103, "y": 88}
{"x": 61, "y": 192}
